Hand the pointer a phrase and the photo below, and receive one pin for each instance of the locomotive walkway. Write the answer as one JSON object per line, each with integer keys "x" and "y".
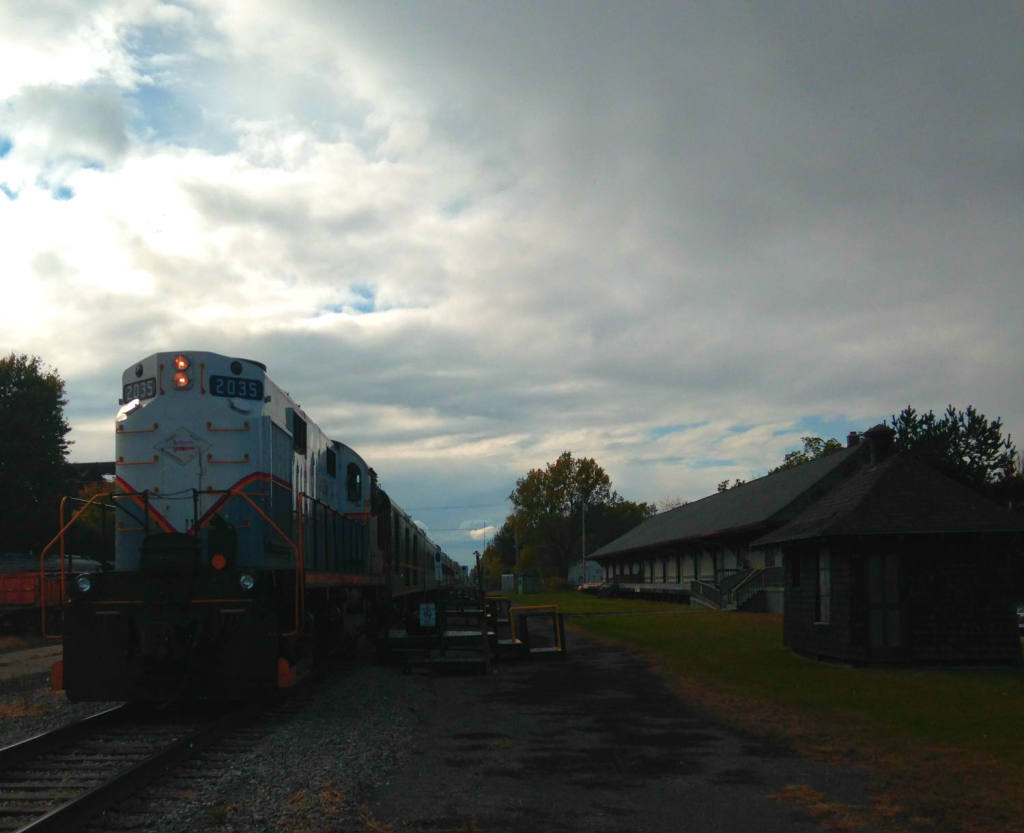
{"x": 594, "y": 742}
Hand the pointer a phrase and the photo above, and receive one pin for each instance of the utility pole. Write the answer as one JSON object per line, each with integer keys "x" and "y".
{"x": 583, "y": 539}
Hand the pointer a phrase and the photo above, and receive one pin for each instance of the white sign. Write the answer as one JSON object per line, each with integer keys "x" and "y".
{"x": 182, "y": 446}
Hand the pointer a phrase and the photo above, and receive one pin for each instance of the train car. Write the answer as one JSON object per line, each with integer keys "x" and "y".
{"x": 248, "y": 543}
{"x": 29, "y": 594}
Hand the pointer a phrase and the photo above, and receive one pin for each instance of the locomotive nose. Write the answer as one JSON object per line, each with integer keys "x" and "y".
{"x": 163, "y": 643}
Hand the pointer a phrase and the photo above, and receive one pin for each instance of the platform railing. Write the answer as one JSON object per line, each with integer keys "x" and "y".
{"x": 706, "y": 591}
{"x": 762, "y": 579}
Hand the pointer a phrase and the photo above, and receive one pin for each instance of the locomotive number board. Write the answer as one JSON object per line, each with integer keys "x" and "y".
{"x": 237, "y": 388}
{"x": 142, "y": 389}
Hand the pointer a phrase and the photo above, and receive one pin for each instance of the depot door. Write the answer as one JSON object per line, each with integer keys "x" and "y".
{"x": 885, "y": 615}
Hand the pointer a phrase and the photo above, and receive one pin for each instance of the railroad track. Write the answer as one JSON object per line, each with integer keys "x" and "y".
{"x": 55, "y": 781}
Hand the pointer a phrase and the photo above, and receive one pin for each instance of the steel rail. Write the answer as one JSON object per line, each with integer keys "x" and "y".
{"x": 21, "y": 751}
{"x": 70, "y": 813}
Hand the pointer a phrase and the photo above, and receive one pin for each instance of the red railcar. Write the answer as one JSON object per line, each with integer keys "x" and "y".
{"x": 25, "y": 590}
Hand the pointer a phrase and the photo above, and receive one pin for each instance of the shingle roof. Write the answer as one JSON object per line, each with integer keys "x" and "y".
{"x": 900, "y": 495}
{"x": 759, "y": 502}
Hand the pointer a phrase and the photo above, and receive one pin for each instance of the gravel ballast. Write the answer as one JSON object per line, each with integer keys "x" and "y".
{"x": 594, "y": 742}
{"x": 305, "y": 769}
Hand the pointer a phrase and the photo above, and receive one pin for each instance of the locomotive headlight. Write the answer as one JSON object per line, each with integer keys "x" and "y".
{"x": 246, "y": 581}
{"x": 83, "y": 583}
{"x": 182, "y": 378}
{"x": 127, "y": 408}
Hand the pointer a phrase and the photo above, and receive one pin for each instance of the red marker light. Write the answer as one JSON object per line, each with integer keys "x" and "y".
{"x": 218, "y": 562}
{"x": 181, "y": 363}
{"x": 181, "y": 380}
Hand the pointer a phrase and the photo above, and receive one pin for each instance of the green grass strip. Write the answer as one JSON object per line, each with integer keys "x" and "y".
{"x": 944, "y": 722}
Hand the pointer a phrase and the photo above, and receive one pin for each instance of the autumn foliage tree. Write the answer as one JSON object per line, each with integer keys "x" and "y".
{"x": 546, "y": 528}
{"x": 33, "y": 448}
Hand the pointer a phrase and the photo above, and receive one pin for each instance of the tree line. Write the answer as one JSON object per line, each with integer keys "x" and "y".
{"x": 569, "y": 507}
{"x": 34, "y": 473}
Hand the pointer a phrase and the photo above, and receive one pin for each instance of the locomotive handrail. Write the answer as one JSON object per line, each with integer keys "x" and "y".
{"x": 297, "y": 549}
{"x": 245, "y": 457}
{"x": 122, "y": 462}
{"x": 42, "y": 555}
{"x": 122, "y": 430}
{"x": 245, "y": 427}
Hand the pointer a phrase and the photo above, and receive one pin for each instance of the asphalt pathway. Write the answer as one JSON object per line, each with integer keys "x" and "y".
{"x": 592, "y": 742}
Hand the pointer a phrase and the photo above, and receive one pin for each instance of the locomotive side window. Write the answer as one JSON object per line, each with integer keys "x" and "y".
{"x": 298, "y": 434}
{"x": 396, "y": 552}
{"x": 332, "y": 463}
{"x": 354, "y": 483}
{"x": 406, "y": 551}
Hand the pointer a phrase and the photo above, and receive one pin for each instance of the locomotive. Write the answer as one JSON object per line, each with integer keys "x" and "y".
{"x": 248, "y": 543}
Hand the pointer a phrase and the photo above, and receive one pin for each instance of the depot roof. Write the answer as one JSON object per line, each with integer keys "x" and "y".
{"x": 750, "y": 508}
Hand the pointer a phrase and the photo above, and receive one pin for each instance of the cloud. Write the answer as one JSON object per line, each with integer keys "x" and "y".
{"x": 483, "y": 533}
{"x": 468, "y": 238}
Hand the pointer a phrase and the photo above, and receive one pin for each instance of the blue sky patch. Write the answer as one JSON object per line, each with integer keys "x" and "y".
{"x": 366, "y": 300}
{"x": 62, "y": 192}
{"x": 5, "y": 145}
{"x": 160, "y": 113}
{"x": 660, "y": 431}
{"x": 828, "y": 427}
{"x": 711, "y": 464}
{"x": 10, "y": 194}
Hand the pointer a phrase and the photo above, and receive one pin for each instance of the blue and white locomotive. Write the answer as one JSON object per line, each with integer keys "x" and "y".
{"x": 247, "y": 542}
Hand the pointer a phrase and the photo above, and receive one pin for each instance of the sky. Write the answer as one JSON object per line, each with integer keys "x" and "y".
{"x": 674, "y": 237}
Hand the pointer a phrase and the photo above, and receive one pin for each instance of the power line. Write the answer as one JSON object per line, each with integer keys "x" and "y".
{"x": 463, "y": 506}
{"x": 432, "y": 530}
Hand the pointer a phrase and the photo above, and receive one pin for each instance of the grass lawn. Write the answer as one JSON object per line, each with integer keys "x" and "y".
{"x": 946, "y": 746}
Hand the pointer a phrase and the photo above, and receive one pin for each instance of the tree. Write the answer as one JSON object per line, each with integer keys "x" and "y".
{"x": 33, "y": 447}
{"x": 814, "y": 447}
{"x": 92, "y": 534}
{"x": 963, "y": 444}
{"x": 502, "y": 553}
{"x": 550, "y": 503}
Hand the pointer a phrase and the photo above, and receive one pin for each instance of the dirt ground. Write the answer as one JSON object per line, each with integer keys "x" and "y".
{"x": 592, "y": 742}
